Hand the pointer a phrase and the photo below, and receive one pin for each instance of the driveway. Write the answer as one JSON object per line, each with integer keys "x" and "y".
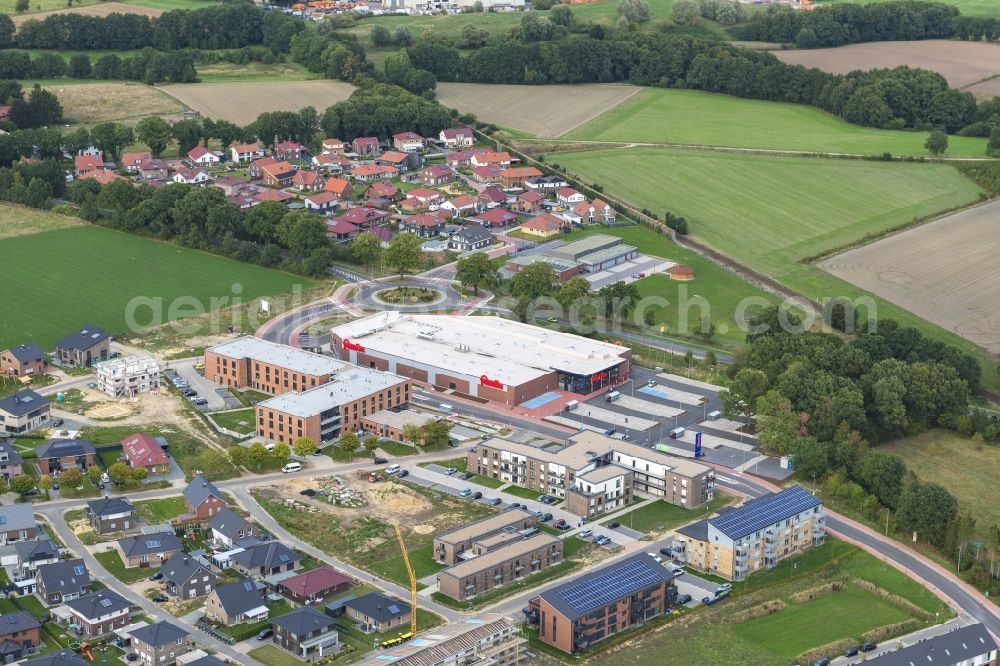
{"x": 205, "y": 388}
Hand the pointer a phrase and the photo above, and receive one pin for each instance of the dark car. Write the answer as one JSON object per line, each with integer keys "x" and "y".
{"x": 31, "y": 493}
{"x": 851, "y": 652}
{"x": 402, "y": 473}
{"x": 822, "y": 661}
{"x": 467, "y": 475}
{"x": 667, "y": 552}
{"x": 199, "y": 402}
{"x": 683, "y": 598}
{"x": 477, "y": 495}
{"x": 867, "y": 647}
{"x": 45, "y": 619}
{"x": 708, "y": 601}
{"x": 381, "y": 461}
{"x": 160, "y": 598}
{"x": 56, "y": 423}
{"x": 157, "y": 576}
{"x": 496, "y": 501}
{"x": 614, "y": 524}
{"x": 55, "y": 486}
{"x": 264, "y": 634}
{"x": 546, "y": 517}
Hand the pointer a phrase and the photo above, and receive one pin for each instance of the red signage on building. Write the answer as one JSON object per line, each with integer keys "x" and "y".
{"x": 353, "y": 346}
{"x": 598, "y": 377}
{"x": 492, "y": 383}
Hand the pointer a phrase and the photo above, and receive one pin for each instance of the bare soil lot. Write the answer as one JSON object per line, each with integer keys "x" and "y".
{"x": 104, "y": 102}
{"x": 241, "y": 103}
{"x": 944, "y": 271}
{"x": 102, "y": 9}
{"x": 961, "y": 63}
{"x": 546, "y": 111}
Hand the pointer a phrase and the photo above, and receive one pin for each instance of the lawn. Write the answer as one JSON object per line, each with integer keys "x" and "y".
{"x": 398, "y": 449}
{"x": 114, "y": 272}
{"x": 185, "y": 448}
{"x": 112, "y": 561}
{"x": 157, "y": 511}
{"x": 239, "y": 420}
{"x": 460, "y": 464}
{"x": 21, "y": 221}
{"x": 658, "y": 115}
{"x": 272, "y": 656}
{"x": 659, "y": 516}
{"x": 519, "y": 491}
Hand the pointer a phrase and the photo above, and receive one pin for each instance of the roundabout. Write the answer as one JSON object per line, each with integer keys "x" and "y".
{"x": 422, "y": 295}
{"x": 408, "y": 294}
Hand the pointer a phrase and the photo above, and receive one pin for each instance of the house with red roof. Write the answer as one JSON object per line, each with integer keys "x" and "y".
{"x": 314, "y": 586}
{"x": 569, "y": 197}
{"x": 493, "y": 197}
{"x": 244, "y": 153}
{"x": 490, "y": 157}
{"x": 277, "y": 174}
{"x": 102, "y": 176}
{"x": 230, "y": 185}
{"x": 333, "y": 146}
{"x": 462, "y": 158}
{"x": 84, "y": 164}
{"x": 436, "y": 174}
{"x": 597, "y": 211}
{"x": 464, "y": 204}
{"x": 145, "y": 451}
{"x": 495, "y": 217}
{"x": 290, "y": 150}
{"x": 382, "y": 190}
{"x": 382, "y": 234}
{"x": 362, "y": 216}
{"x": 256, "y": 169}
{"x": 132, "y": 161}
{"x": 488, "y": 175}
{"x": 426, "y": 196}
{"x": 545, "y": 225}
{"x": 341, "y": 187}
{"x": 191, "y": 176}
{"x": 400, "y": 160}
{"x": 321, "y": 202}
{"x": 154, "y": 170}
{"x": 516, "y": 177}
{"x": 332, "y": 162}
{"x": 203, "y": 157}
{"x": 308, "y": 181}
{"x": 341, "y": 229}
{"x": 425, "y": 225}
{"x": 408, "y": 142}
{"x": 365, "y": 145}
{"x": 457, "y": 137}
{"x": 367, "y": 173}
{"x": 271, "y": 194}
{"x": 528, "y": 202}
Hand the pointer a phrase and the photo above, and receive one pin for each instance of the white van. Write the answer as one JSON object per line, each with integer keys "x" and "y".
{"x": 392, "y": 469}
{"x": 291, "y": 467}
{"x": 611, "y": 397}
{"x": 446, "y": 408}
{"x": 572, "y": 404}
{"x": 677, "y": 433}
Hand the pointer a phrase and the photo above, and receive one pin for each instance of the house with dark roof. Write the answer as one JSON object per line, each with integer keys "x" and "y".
{"x": 85, "y": 347}
{"x": 265, "y": 559}
{"x": 228, "y": 527}
{"x": 236, "y": 603}
{"x": 146, "y": 451}
{"x": 377, "y": 612}
{"x": 202, "y": 499}
{"x": 17, "y": 523}
{"x": 18, "y": 632}
{"x": 186, "y": 577}
{"x": 314, "y": 586}
{"x": 145, "y": 550}
{"x": 457, "y": 137}
{"x": 62, "y": 581}
{"x": 964, "y": 646}
{"x": 160, "y": 644}
{"x": 33, "y": 554}
{"x": 495, "y": 217}
{"x": 290, "y": 150}
{"x": 57, "y": 455}
{"x": 207, "y": 660}
{"x": 472, "y": 237}
{"x": 23, "y": 412}
{"x": 23, "y": 361}
{"x": 306, "y": 633}
{"x": 602, "y": 603}
{"x": 61, "y": 658}
{"x": 111, "y": 514}
{"x": 10, "y": 461}
{"x": 99, "y": 613}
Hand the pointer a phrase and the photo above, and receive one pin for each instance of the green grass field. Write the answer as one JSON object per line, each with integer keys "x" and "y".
{"x": 240, "y": 420}
{"x": 657, "y": 115}
{"x": 91, "y": 275}
{"x": 659, "y": 516}
{"x": 967, "y": 7}
{"x": 157, "y": 511}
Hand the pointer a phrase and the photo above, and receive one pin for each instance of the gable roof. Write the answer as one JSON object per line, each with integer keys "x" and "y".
{"x": 247, "y": 147}
{"x": 567, "y": 192}
{"x": 22, "y": 402}
{"x": 105, "y": 602}
{"x": 179, "y": 568}
{"x": 336, "y": 185}
{"x": 473, "y": 234}
{"x": 107, "y": 506}
{"x": 85, "y": 338}
{"x": 379, "y": 607}
{"x": 958, "y": 646}
{"x": 384, "y": 235}
{"x": 456, "y": 132}
{"x": 316, "y": 580}
{"x": 531, "y": 196}
{"x": 407, "y": 136}
{"x": 143, "y": 450}
{"x": 496, "y": 215}
{"x": 228, "y": 523}
{"x": 61, "y": 658}
{"x": 58, "y": 448}
{"x": 341, "y": 227}
{"x": 394, "y": 157}
{"x": 12, "y": 623}
{"x": 150, "y": 544}
{"x": 136, "y": 158}
{"x": 437, "y": 171}
{"x": 17, "y": 517}
{"x": 84, "y": 162}
{"x": 303, "y": 621}
{"x": 199, "y": 490}
{"x": 277, "y": 169}
{"x": 305, "y": 177}
{"x": 267, "y": 554}
{"x": 383, "y": 188}
{"x": 27, "y": 352}
{"x": 365, "y": 141}
{"x": 37, "y": 549}
{"x": 588, "y": 592}
{"x": 494, "y": 194}
{"x": 239, "y": 597}
{"x": 158, "y": 634}
{"x": 199, "y": 152}
{"x": 756, "y": 514}
{"x": 321, "y": 198}
{"x": 270, "y": 194}
{"x": 543, "y": 222}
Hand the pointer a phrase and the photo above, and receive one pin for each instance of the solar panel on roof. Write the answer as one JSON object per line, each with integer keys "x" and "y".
{"x": 247, "y": 585}
{"x": 3, "y": 520}
{"x": 765, "y": 512}
{"x": 283, "y": 557}
{"x": 152, "y": 544}
{"x": 617, "y": 583}
{"x": 393, "y": 608}
{"x": 106, "y": 602}
{"x": 79, "y": 570}
{"x": 12, "y": 619}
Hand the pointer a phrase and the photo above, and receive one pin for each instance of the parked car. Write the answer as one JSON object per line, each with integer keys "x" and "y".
{"x": 614, "y": 525}
{"x": 496, "y": 501}
{"x": 656, "y": 558}
{"x": 450, "y": 471}
{"x": 403, "y": 473}
{"x": 190, "y": 393}
{"x": 666, "y": 552}
{"x": 602, "y": 540}
{"x": 467, "y": 475}
{"x": 264, "y": 634}
{"x": 851, "y": 652}
{"x": 651, "y": 382}
{"x": 676, "y": 570}
{"x": 561, "y": 523}
{"x": 466, "y": 492}
{"x": 55, "y": 486}
{"x": 683, "y": 598}
{"x": 822, "y": 661}
{"x": 157, "y": 576}
{"x": 867, "y": 647}
{"x": 160, "y": 598}
{"x": 725, "y": 588}
{"x": 381, "y": 461}
{"x": 199, "y": 402}
{"x": 546, "y": 517}
{"x": 585, "y": 534}
{"x": 57, "y": 423}
{"x": 477, "y": 495}
{"x": 545, "y": 499}
{"x": 708, "y": 601}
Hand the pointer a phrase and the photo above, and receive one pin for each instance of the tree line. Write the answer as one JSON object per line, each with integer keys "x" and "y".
{"x": 149, "y": 66}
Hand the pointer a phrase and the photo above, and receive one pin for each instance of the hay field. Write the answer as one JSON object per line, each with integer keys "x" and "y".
{"x": 106, "y": 101}
{"x": 242, "y": 102}
{"x": 944, "y": 271}
{"x": 548, "y": 111}
{"x": 961, "y": 63}
{"x": 18, "y": 221}
{"x": 102, "y": 9}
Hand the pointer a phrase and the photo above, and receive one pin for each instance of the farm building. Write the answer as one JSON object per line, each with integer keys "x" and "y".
{"x": 681, "y": 273}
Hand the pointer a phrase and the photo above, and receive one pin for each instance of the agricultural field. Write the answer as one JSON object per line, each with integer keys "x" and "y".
{"x": 115, "y": 268}
{"x": 943, "y": 271}
{"x": 961, "y": 63}
{"x": 242, "y": 102}
{"x": 225, "y": 72}
{"x": 548, "y": 111}
{"x": 88, "y": 103}
{"x": 20, "y": 221}
{"x": 41, "y": 9}
{"x": 657, "y": 115}
{"x": 966, "y": 468}
{"x": 967, "y": 7}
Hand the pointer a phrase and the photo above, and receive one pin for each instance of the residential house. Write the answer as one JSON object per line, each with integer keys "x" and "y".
{"x": 17, "y": 523}
{"x": 543, "y": 226}
{"x": 459, "y": 159}
{"x": 145, "y": 550}
{"x": 362, "y": 217}
{"x": 306, "y": 633}
{"x": 493, "y": 197}
{"x": 399, "y": 160}
{"x": 203, "y": 499}
{"x": 131, "y": 162}
{"x": 245, "y": 200}
{"x": 333, "y": 147}
{"x": 111, "y": 514}
{"x": 495, "y": 217}
{"x": 63, "y": 581}
{"x": 341, "y": 230}
{"x": 57, "y": 455}
{"x": 84, "y": 347}
{"x": 516, "y": 177}
{"x": 567, "y": 196}
{"x": 367, "y": 173}
{"x": 595, "y": 212}
{"x": 23, "y": 361}
{"x": 381, "y": 190}
{"x": 425, "y": 225}
{"x": 244, "y": 153}
{"x": 332, "y": 163}
{"x": 489, "y": 174}
{"x": 98, "y": 613}
{"x": 147, "y": 452}
{"x": 366, "y": 145}
{"x": 10, "y": 461}
{"x": 408, "y": 142}
{"x": 84, "y": 165}
{"x": 23, "y": 412}
{"x": 383, "y": 235}
{"x": 340, "y": 187}
{"x": 528, "y": 202}
{"x": 489, "y": 158}
{"x": 191, "y": 176}
{"x": 278, "y": 174}
{"x": 290, "y": 150}
{"x": 34, "y": 554}
{"x": 426, "y": 197}
{"x": 464, "y": 204}
{"x": 228, "y": 527}
{"x": 457, "y": 137}
{"x": 437, "y": 174}
{"x": 375, "y": 611}
{"x": 19, "y": 631}
{"x": 186, "y": 577}
{"x": 321, "y": 202}
{"x": 470, "y": 238}
{"x": 236, "y": 603}
{"x": 314, "y": 586}
{"x": 160, "y": 644}
{"x": 101, "y": 176}
{"x": 271, "y": 194}
{"x": 154, "y": 170}
{"x": 62, "y": 658}
{"x": 546, "y": 184}
{"x": 200, "y": 156}
{"x": 200, "y": 658}
{"x": 230, "y": 185}
{"x": 265, "y": 558}
{"x": 256, "y": 169}
{"x": 307, "y": 181}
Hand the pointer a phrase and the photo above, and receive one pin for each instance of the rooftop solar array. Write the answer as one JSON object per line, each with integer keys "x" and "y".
{"x": 106, "y": 602}
{"x": 763, "y": 512}
{"x": 601, "y": 590}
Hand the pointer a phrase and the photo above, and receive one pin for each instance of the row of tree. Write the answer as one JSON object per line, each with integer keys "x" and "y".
{"x": 149, "y": 66}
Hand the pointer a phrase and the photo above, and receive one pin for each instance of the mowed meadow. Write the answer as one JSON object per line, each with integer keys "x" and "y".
{"x": 59, "y": 279}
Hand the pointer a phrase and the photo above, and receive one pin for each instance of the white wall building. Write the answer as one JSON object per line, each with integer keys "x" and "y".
{"x": 128, "y": 376}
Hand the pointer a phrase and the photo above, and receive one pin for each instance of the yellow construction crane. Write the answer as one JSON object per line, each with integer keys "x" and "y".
{"x": 413, "y": 583}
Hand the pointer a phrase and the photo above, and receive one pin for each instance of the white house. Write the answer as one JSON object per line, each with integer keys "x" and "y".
{"x": 191, "y": 176}
{"x": 567, "y": 195}
{"x": 203, "y": 157}
{"x": 245, "y": 153}
{"x": 457, "y": 137}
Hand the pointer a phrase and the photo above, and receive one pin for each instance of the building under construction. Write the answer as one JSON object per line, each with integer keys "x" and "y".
{"x": 486, "y": 640}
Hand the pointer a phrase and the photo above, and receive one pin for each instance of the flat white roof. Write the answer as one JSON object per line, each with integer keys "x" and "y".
{"x": 346, "y": 386}
{"x": 397, "y": 420}
{"x": 274, "y": 353}
{"x": 504, "y": 350}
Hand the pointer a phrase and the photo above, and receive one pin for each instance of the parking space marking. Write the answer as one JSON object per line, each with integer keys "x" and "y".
{"x": 648, "y": 407}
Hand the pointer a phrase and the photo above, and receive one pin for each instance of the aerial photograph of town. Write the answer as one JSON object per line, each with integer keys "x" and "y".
{"x": 500, "y": 332}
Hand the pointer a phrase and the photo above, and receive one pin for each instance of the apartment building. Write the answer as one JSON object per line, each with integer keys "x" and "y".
{"x": 128, "y": 376}
{"x": 595, "y": 473}
{"x": 449, "y": 546}
{"x": 756, "y": 535}
{"x": 971, "y": 645}
{"x": 486, "y": 640}
{"x": 499, "y": 560}
{"x": 273, "y": 368}
{"x": 575, "y": 615}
